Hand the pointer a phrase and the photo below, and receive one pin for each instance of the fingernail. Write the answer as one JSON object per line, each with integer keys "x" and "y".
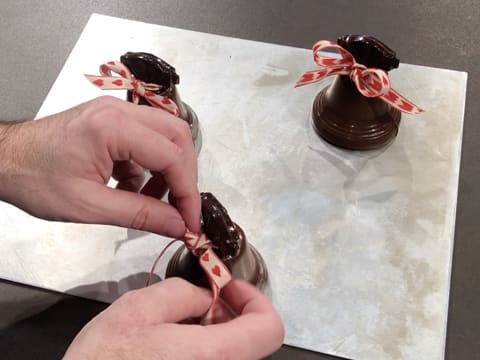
{"x": 175, "y": 227}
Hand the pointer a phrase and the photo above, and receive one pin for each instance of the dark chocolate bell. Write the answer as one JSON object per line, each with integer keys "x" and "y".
{"x": 151, "y": 69}
{"x": 229, "y": 243}
{"x": 344, "y": 117}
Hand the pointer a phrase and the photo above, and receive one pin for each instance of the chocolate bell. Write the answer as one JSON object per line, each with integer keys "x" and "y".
{"x": 229, "y": 243}
{"x": 344, "y": 117}
{"x": 151, "y": 69}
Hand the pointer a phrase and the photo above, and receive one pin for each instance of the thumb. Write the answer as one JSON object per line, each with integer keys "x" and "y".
{"x": 109, "y": 206}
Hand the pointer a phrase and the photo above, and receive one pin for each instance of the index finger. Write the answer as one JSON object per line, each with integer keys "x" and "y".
{"x": 172, "y": 127}
{"x": 160, "y": 121}
{"x": 180, "y": 173}
{"x": 257, "y": 332}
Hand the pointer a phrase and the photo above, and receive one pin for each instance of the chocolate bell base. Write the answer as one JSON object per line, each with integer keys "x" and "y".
{"x": 192, "y": 120}
{"x": 346, "y": 119}
{"x": 249, "y": 267}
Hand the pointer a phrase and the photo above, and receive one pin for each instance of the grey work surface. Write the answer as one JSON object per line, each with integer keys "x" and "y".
{"x": 36, "y": 41}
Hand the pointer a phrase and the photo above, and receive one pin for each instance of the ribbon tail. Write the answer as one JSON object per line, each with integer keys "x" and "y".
{"x": 314, "y": 76}
{"x": 311, "y": 77}
{"x": 109, "y": 83}
{"x": 163, "y": 102}
{"x": 135, "y": 97}
{"x": 218, "y": 275}
{"x": 400, "y": 103}
{"x": 152, "y": 270}
{"x": 209, "y": 317}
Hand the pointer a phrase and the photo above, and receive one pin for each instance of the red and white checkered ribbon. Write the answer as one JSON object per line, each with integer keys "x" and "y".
{"x": 139, "y": 88}
{"x": 217, "y": 273}
{"x": 370, "y": 82}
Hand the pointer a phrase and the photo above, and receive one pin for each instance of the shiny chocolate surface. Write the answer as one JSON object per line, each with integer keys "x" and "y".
{"x": 225, "y": 235}
{"x": 151, "y": 69}
{"x": 369, "y": 51}
{"x": 229, "y": 243}
{"x": 347, "y": 119}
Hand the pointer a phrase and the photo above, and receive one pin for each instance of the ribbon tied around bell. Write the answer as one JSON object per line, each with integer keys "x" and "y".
{"x": 217, "y": 273}
{"x": 126, "y": 81}
{"x": 370, "y": 82}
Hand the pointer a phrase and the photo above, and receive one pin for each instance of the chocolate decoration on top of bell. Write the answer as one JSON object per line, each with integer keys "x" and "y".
{"x": 151, "y": 69}
{"x": 229, "y": 243}
{"x": 343, "y": 116}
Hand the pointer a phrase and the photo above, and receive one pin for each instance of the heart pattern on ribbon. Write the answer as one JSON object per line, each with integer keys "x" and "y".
{"x": 138, "y": 88}
{"x": 217, "y": 273}
{"x": 370, "y": 82}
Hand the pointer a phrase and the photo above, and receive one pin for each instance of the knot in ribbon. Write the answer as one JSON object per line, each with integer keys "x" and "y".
{"x": 126, "y": 81}
{"x": 370, "y": 82}
{"x": 217, "y": 273}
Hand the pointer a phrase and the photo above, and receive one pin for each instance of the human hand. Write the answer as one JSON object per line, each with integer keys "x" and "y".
{"x": 57, "y": 168}
{"x": 143, "y": 324}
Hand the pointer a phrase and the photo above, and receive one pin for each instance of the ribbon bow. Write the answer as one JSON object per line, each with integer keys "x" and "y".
{"x": 370, "y": 82}
{"x": 217, "y": 273}
{"x": 139, "y": 88}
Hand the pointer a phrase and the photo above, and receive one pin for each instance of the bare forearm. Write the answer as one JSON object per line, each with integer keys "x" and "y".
{"x": 11, "y": 142}
{"x": 8, "y": 153}
{"x": 5, "y": 127}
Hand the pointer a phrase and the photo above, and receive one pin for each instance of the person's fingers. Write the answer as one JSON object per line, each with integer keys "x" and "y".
{"x": 173, "y": 128}
{"x": 162, "y": 122}
{"x": 155, "y": 187}
{"x": 169, "y": 301}
{"x": 103, "y": 205}
{"x": 157, "y": 153}
{"x": 222, "y": 312}
{"x": 130, "y": 176}
{"x": 258, "y": 328}
{"x": 154, "y": 139}
{"x": 177, "y": 131}
{"x": 256, "y": 333}
{"x": 186, "y": 342}
{"x": 106, "y": 108}
{"x": 189, "y": 207}
{"x": 244, "y": 298}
